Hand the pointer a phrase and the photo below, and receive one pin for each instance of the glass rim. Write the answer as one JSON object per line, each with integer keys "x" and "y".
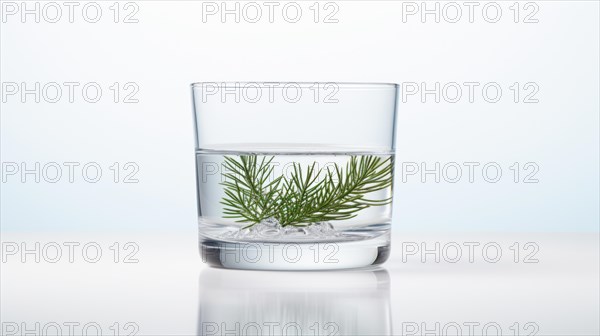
{"x": 302, "y": 84}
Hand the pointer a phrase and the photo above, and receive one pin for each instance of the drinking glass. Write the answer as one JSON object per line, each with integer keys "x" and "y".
{"x": 294, "y": 176}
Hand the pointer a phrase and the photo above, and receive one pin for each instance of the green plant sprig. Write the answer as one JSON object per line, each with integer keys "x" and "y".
{"x": 313, "y": 195}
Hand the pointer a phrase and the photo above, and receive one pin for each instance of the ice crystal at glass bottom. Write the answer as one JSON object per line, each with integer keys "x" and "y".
{"x": 270, "y": 228}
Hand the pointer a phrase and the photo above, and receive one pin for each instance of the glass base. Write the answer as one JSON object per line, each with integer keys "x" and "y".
{"x": 289, "y": 256}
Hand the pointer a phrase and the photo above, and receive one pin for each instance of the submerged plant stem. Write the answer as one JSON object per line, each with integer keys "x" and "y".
{"x": 309, "y": 195}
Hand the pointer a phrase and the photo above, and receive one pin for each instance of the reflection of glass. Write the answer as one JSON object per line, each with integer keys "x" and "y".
{"x": 300, "y": 166}
{"x": 243, "y": 303}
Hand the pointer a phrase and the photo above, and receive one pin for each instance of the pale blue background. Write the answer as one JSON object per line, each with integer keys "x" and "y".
{"x": 170, "y": 47}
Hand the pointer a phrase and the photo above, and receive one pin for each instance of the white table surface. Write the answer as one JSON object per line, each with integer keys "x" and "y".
{"x": 168, "y": 291}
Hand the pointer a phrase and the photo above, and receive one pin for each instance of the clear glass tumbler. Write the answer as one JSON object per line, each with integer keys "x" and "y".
{"x": 294, "y": 176}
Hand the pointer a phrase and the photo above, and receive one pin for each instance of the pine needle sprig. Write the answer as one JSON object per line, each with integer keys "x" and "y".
{"x": 248, "y": 189}
{"x": 307, "y": 196}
